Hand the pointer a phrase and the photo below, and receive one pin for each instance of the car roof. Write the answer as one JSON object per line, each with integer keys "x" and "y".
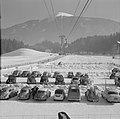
{"x": 26, "y": 87}
{"x": 111, "y": 90}
{"x": 42, "y": 89}
{"x": 60, "y": 89}
{"x": 73, "y": 86}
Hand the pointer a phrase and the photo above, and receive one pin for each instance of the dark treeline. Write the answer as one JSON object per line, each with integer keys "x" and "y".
{"x": 8, "y": 45}
{"x": 95, "y": 44}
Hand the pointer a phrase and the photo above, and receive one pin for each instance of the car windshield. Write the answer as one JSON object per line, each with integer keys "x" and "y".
{"x": 59, "y": 76}
{"x": 58, "y": 92}
{"x": 15, "y": 72}
{"x": 3, "y": 90}
{"x": 41, "y": 92}
{"x": 74, "y": 90}
{"x": 23, "y": 91}
{"x": 24, "y": 72}
{"x": 112, "y": 92}
{"x": 75, "y": 78}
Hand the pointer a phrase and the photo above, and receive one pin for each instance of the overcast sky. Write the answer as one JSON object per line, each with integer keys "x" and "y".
{"x": 18, "y": 11}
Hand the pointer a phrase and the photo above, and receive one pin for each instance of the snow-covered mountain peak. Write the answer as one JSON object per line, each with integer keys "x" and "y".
{"x": 63, "y": 14}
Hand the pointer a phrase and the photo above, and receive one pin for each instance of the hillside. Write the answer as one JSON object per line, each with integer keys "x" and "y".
{"x": 36, "y": 31}
{"x": 25, "y": 52}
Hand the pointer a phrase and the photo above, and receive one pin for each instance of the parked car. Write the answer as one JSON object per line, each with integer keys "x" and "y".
{"x": 8, "y": 92}
{"x": 114, "y": 71}
{"x": 55, "y": 74}
{"x": 111, "y": 95}
{"x": 59, "y": 80}
{"x": 42, "y": 94}
{"x": 59, "y": 94}
{"x": 70, "y": 75}
{"x": 44, "y": 80}
{"x": 48, "y": 74}
{"x": 117, "y": 81}
{"x": 17, "y": 73}
{"x": 25, "y": 74}
{"x": 74, "y": 93}
{"x": 25, "y": 93}
{"x": 84, "y": 80}
{"x": 11, "y": 79}
{"x": 36, "y": 74}
{"x": 92, "y": 95}
{"x": 78, "y": 74}
{"x": 31, "y": 80}
{"x": 75, "y": 80}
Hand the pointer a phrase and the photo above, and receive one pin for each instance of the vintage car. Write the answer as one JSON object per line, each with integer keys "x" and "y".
{"x": 117, "y": 81}
{"x": 59, "y": 80}
{"x": 59, "y": 95}
{"x": 25, "y": 74}
{"x": 92, "y": 94}
{"x": 74, "y": 93}
{"x": 111, "y": 95}
{"x": 25, "y": 93}
{"x": 11, "y": 79}
{"x": 55, "y": 74}
{"x": 114, "y": 71}
{"x": 17, "y": 73}
{"x": 36, "y": 74}
{"x": 75, "y": 80}
{"x": 70, "y": 75}
{"x": 42, "y": 94}
{"x": 85, "y": 80}
{"x": 78, "y": 74}
{"x": 48, "y": 74}
{"x": 31, "y": 80}
{"x": 44, "y": 80}
{"x": 8, "y": 92}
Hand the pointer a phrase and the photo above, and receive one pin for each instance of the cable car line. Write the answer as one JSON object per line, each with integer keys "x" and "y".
{"x": 54, "y": 15}
{"x": 84, "y": 8}
{"x": 47, "y": 8}
{"x": 74, "y": 12}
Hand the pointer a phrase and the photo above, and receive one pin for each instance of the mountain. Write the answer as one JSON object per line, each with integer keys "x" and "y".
{"x": 49, "y": 29}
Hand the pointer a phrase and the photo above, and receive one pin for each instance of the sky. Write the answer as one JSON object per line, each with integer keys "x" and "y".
{"x": 19, "y": 11}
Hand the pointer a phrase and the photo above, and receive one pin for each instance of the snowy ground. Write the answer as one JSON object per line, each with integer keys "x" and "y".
{"x": 98, "y": 67}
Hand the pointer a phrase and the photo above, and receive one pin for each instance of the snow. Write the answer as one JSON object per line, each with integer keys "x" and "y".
{"x": 64, "y": 14}
{"x": 30, "y": 109}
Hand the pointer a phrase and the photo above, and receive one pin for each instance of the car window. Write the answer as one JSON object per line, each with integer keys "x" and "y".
{"x": 58, "y": 92}
{"x": 23, "y": 91}
{"x": 75, "y": 78}
{"x": 41, "y": 92}
{"x": 3, "y": 90}
{"x": 74, "y": 90}
{"x": 112, "y": 92}
{"x": 10, "y": 90}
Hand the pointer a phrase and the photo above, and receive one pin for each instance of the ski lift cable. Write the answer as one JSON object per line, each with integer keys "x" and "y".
{"x": 78, "y": 18}
{"x": 54, "y": 15}
{"x": 47, "y": 8}
{"x": 87, "y": 7}
{"x": 74, "y": 12}
{"x": 84, "y": 8}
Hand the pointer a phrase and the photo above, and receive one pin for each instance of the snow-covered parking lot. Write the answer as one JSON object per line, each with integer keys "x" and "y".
{"x": 30, "y": 109}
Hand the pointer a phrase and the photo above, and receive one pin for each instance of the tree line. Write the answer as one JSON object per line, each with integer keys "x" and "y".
{"x": 95, "y": 44}
{"x": 8, "y": 45}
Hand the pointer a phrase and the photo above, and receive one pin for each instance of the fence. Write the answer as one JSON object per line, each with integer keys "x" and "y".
{"x": 85, "y": 116}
